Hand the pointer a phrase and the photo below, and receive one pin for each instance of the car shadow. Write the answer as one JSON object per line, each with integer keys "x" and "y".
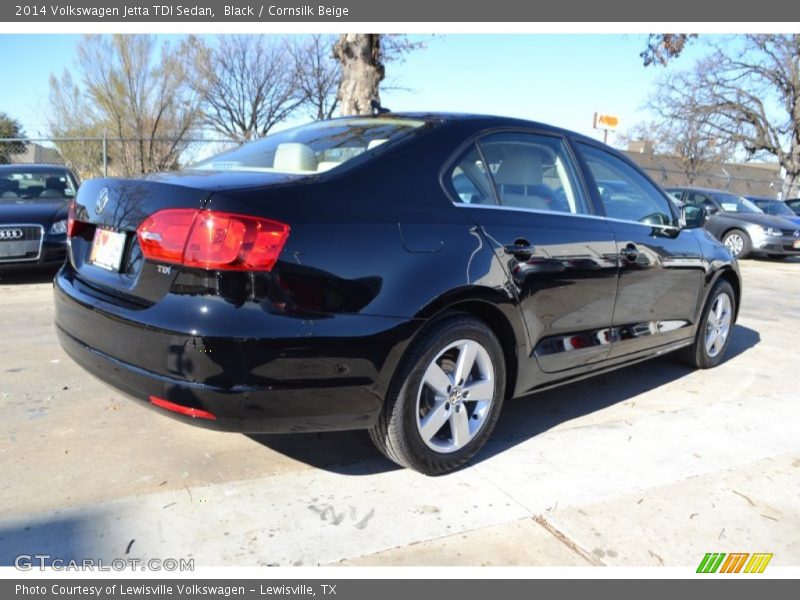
{"x": 352, "y": 452}
{"x": 27, "y": 276}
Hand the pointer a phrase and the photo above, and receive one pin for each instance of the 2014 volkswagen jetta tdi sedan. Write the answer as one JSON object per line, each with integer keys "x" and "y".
{"x": 403, "y": 274}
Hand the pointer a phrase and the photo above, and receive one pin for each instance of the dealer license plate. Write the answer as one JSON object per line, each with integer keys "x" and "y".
{"x": 107, "y": 249}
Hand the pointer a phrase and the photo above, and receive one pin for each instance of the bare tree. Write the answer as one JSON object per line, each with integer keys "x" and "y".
{"x": 317, "y": 75}
{"x": 137, "y": 90}
{"x": 749, "y": 99}
{"x": 685, "y": 139}
{"x": 248, "y": 85}
{"x": 363, "y": 58}
{"x": 10, "y": 128}
{"x": 663, "y": 47}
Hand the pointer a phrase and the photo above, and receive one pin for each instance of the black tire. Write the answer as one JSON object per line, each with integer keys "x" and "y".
{"x": 397, "y": 434}
{"x": 696, "y": 355}
{"x": 747, "y": 245}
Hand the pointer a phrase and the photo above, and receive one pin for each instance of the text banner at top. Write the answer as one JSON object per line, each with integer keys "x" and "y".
{"x": 464, "y": 11}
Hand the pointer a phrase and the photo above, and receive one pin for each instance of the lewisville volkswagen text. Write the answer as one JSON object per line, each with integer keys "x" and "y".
{"x": 401, "y": 273}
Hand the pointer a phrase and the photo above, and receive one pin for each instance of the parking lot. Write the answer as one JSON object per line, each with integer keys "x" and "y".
{"x": 650, "y": 465}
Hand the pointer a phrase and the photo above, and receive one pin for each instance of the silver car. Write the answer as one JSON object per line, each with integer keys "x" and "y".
{"x": 743, "y": 227}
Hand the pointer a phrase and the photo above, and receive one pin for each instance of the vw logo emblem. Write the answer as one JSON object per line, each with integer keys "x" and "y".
{"x": 797, "y": 233}
{"x": 11, "y": 234}
{"x": 102, "y": 201}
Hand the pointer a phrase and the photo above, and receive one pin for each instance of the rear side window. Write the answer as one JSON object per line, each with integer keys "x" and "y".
{"x": 532, "y": 172}
{"x": 470, "y": 179}
{"x": 625, "y": 193}
{"x": 313, "y": 148}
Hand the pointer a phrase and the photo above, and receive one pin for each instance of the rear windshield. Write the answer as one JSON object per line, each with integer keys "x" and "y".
{"x": 775, "y": 207}
{"x": 35, "y": 185}
{"x": 313, "y": 148}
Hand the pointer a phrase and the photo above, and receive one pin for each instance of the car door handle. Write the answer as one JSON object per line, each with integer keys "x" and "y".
{"x": 521, "y": 248}
{"x": 630, "y": 253}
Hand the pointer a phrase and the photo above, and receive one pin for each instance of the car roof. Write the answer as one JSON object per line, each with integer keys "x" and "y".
{"x": 31, "y": 168}
{"x": 478, "y": 121}
{"x": 700, "y": 189}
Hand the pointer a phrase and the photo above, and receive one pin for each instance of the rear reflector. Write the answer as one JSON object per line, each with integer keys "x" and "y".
{"x": 184, "y": 410}
{"x": 212, "y": 240}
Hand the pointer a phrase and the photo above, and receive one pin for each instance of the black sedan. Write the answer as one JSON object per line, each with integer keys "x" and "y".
{"x": 741, "y": 225}
{"x": 34, "y": 201}
{"x": 403, "y": 273}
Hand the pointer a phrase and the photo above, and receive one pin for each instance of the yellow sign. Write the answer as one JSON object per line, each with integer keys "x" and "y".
{"x": 606, "y": 121}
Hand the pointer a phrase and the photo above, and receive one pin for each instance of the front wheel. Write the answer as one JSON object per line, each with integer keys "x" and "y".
{"x": 445, "y": 397}
{"x": 714, "y": 332}
{"x": 738, "y": 243}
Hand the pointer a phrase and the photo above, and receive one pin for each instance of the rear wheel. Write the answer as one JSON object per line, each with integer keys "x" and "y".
{"x": 738, "y": 242}
{"x": 445, "y": 397}
{"x": 714, "y": 332}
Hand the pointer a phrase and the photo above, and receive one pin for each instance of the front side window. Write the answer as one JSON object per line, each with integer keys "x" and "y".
{"x": 532, "y": 172}
{"x": 625, "y": 193}
{"x": 699, "y": 200}
{"x": 313, "y": 148}
{"x": 29, "y": 184}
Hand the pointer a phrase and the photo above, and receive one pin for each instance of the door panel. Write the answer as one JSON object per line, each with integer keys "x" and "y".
{"x": 561, "y": 262}
{"x": 661, "y": 266}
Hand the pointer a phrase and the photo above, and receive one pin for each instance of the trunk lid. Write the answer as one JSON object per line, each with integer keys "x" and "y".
{"x": 120, "y": 206}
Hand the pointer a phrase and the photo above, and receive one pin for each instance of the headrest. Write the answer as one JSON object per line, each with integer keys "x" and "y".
{"x": 375, "y": 143}
{"x": 522, "y": 166}
{"x": 292, "y": 156}
{"x": 55, "y": 183}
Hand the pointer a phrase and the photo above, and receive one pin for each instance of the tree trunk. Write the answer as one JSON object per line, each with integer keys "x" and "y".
{"x": 359, "y": 54}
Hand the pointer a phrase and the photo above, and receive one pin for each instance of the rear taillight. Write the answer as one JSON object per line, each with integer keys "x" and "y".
{"x": 74, "y": 227}
{"x": 212, "y": 240}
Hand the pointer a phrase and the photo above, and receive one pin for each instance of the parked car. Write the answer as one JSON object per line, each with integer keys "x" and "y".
{"x": 776, "y": 208}
{"x": 794, "y": 204}
{"x": 741, "y": 225}
{"x": 34, "y": 202}
{"x": 403, "y": 273}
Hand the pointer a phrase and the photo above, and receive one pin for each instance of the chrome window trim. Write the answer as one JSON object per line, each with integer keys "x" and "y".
{"x": 561, "y": 213}
{"x": 41, "y": 242}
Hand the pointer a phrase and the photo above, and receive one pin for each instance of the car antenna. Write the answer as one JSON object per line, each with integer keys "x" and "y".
{"x": 377, "y": 109}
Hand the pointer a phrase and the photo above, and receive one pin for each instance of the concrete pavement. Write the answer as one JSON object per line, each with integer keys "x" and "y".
{"x": 651, "y": 465}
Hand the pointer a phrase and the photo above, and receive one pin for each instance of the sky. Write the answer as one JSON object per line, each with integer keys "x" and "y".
{"x": 557, "y": 79}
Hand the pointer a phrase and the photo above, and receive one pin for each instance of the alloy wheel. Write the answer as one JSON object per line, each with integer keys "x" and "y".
{"x": 718, "y": 325}
{"x": 455, "y": 396}
{"x": 734, "y": 243}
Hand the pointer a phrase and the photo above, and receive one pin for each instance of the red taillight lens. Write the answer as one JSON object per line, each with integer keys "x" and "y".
{"x": 212, "y": 240}
{"x": 163, "y": 235}
{"x": 74, "y": 227}
{"x": 180, "y": 409}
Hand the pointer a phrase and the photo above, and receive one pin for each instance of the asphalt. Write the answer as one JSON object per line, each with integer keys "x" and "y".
{"x": 651, "y": 465}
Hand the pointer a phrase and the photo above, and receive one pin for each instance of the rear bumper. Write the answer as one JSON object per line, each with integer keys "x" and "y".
{"x": 304, "y": 382}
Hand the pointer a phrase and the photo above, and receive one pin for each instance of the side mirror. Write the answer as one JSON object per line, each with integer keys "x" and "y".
{"x": 693, "y": 217}
{"x": 710, "y": 208}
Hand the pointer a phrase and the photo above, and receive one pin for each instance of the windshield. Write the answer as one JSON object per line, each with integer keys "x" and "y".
{"x": 776, "y": 207}
{"x": 731, "y": 203}
{"x": 312, "y": 148}
{"x": 35, "y": 185}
